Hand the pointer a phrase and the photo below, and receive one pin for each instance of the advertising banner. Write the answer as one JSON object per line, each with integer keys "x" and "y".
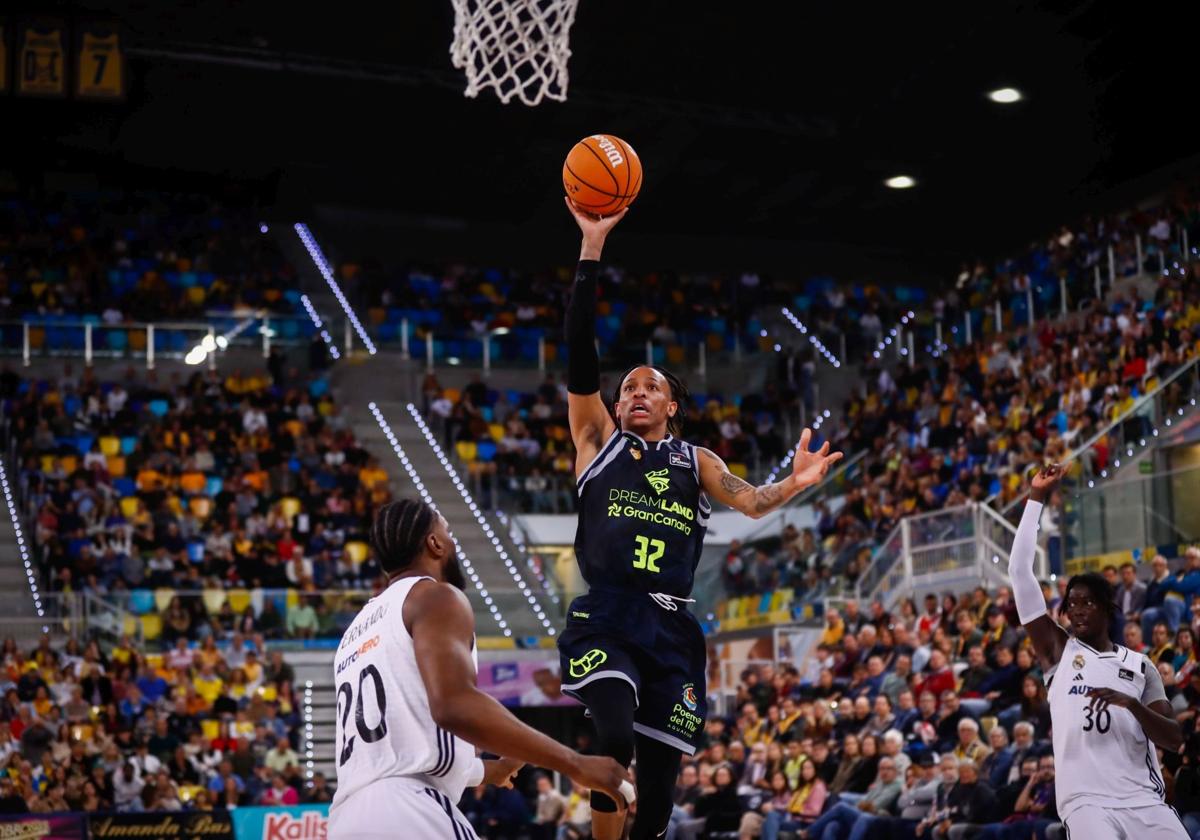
{"x": 524, "y": 683}
{"x": 182, "y": 825}
{"x": 299, "y": 822}
{"x": 43, "y": 827}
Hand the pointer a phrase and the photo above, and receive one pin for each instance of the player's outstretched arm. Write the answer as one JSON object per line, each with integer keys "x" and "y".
{"x": 590, "y": 422}
{"x": 808, "y": 468}
{"x": 1047, "y": 636}
{"x": 442, "y": 626}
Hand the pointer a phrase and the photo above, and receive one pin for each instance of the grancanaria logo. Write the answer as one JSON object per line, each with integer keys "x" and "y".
{"x": 689, "y": 697}
{"x": 658, "y": 480}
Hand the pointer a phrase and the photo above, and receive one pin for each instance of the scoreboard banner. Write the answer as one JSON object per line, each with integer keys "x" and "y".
{"x": 99, "y": 62}
{"x": 41, "y": 60}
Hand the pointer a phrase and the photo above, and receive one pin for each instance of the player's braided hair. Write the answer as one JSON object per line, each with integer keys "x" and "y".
{"x": 679, "y": 393}
{"x": 398, "y": 531}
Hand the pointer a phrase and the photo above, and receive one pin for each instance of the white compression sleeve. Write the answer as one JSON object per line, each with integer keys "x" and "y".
{"x": 1027, "y": 592}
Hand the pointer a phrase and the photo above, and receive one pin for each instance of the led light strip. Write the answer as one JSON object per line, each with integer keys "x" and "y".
{"x": 1131, "y": 449}
{"x": 16, "y": 523}
{"x": 308, "y": 729}
{"x": 316, "y": 319}
{"x": 425, "y": 497}
{"x": 519, "y": 542}
{"x": 818, "y": 421}
{"x": 894, "y": 333}
{"x": 487, "y": 529}
{"x": 816, "y": 342}
{"x": 323, "y": 266}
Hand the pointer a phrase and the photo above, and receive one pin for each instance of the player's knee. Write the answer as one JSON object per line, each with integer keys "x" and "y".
{"x": 618, "y": 745}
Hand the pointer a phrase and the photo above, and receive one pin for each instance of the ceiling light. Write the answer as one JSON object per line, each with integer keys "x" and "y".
{"x": 900, "y": 182}
{"x": 1005, "y": 95}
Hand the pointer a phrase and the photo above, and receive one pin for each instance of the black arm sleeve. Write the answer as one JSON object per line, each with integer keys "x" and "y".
{"x": 583, "y": 364}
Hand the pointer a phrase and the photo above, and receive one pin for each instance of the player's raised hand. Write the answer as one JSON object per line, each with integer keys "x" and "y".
{"x": 810, "y": 467}
{"x": 1045, "y": 481}
{"x": 599, "y": 772}
{"x": 595, "y": 229}
{"x": 501, "y": 771}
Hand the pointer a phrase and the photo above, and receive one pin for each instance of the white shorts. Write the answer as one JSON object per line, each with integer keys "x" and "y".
{"x": 1153, "y": 822}
{"x": 390, "y": 810}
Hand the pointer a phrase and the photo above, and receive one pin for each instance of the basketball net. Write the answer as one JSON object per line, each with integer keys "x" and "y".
{"x": 516, "y": 47}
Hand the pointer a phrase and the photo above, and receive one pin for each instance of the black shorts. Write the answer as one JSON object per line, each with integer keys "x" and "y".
{"x": 660, "y": 653}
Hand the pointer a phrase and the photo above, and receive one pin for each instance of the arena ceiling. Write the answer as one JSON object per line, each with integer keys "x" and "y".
{"x": 751, "y": 125}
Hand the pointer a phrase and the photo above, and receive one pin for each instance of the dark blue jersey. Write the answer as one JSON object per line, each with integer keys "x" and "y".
{"x": 642, "y": 516}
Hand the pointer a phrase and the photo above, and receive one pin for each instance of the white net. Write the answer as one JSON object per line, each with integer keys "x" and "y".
{"x": 516, "y": 47}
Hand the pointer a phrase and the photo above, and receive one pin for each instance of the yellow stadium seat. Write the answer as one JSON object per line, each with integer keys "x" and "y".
{"x": 291, "y": 599}
{"x": 129, "y": 626}
{"x": 195, "y": 295}
{"x": 496, "y": 431}
{"x": 239, "y": 599}
{"x": 294, "y": 428}
{"x": 714, "y": 341}
{"x": 175, "y": 505}
{"x": 137, "y": 340}
{"x": 151, "y": 626}
{"x": 47, "y": 463}
{"x": 452, "y": 394}
{"x": 356, "y": 551}
{"x": 155, "y": 661}
{"x": 213, "y": 600}
{"x": 162, "y": 597}
{"x": 210, "y": 729}
{"x": 289, "y": 506}
{"x": 37, "y": 338}
{"x": 69, "y": 463}
{"x": 116, "y": 465}
{"x": 129, "y": 506}
{"x": 675, "y": 354}
{"x": 268, "y": 692}
{"x": 551, "y": 352}
{"x": 110, "y": 445}
{"x": 739, "y": 470}
{"x": 466, "y": 450}
{"x": 193, "y": 483}
{"x": 377, "y": 314}
{"x": 200, "y": 506}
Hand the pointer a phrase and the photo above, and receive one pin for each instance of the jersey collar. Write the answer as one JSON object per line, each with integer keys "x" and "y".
{"x": 634, "y": 436}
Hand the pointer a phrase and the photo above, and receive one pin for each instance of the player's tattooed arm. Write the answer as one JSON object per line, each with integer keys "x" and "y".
{"x": 739, "y": 494}
{"x": 808, "y": 468}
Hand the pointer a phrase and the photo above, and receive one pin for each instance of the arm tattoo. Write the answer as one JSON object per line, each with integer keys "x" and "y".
{"x": 767, "y": 498}
{"x": 732, "y": 484}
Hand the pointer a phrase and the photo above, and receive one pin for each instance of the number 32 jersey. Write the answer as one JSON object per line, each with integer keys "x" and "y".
{"x": 642, "y": 516}
{"x": 384, "y": 729}
{"x": 1102, "y": 758}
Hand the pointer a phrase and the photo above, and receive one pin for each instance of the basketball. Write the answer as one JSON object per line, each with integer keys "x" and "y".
{"x": 602, "y": 174}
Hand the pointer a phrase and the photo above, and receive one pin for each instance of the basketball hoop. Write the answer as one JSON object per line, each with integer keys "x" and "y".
{"x": 516, "y": 47}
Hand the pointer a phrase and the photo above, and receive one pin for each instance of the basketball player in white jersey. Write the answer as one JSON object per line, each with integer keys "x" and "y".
{"x": 408, "y": 713}
{"x": 1108, "y": 708}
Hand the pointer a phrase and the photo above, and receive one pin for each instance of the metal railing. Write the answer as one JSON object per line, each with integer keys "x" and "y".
{"x": 958, "y": 546}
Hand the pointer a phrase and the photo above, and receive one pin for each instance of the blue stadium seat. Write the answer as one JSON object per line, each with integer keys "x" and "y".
{"x": 124, "y": 486}
{"x": 128, "y": 445}
{"x": 159, "y": 408}
{"x": 141, "y": 601}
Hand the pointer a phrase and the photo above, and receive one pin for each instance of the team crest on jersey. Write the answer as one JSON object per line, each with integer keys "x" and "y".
{"x": 659, "y": 480}
{"x": 587, "y": 663}
{"x": 689, "y": 697}
{"x": 636, "y": 453}
{"x": 1077, "y": 662}
{"x": 678, "y": 459}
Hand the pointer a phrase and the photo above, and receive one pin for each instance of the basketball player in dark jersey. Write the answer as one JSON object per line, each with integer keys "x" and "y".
{"x": 631, "y": 650}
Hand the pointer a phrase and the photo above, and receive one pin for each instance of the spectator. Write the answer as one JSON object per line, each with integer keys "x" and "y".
{"x": 879, "y": 801}
{"x": 551, "y": 810}
{"x": 279, "y": 793}
{"x": 802, "y": 809}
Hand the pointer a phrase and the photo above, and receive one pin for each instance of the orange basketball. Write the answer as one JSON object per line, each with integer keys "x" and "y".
{"x": 602, "y": 174}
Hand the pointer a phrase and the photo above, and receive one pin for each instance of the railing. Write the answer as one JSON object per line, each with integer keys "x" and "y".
{"x": 946, "y": 548}
{"x": 1133, "y": 513}
{"x": 91, "y": 338}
